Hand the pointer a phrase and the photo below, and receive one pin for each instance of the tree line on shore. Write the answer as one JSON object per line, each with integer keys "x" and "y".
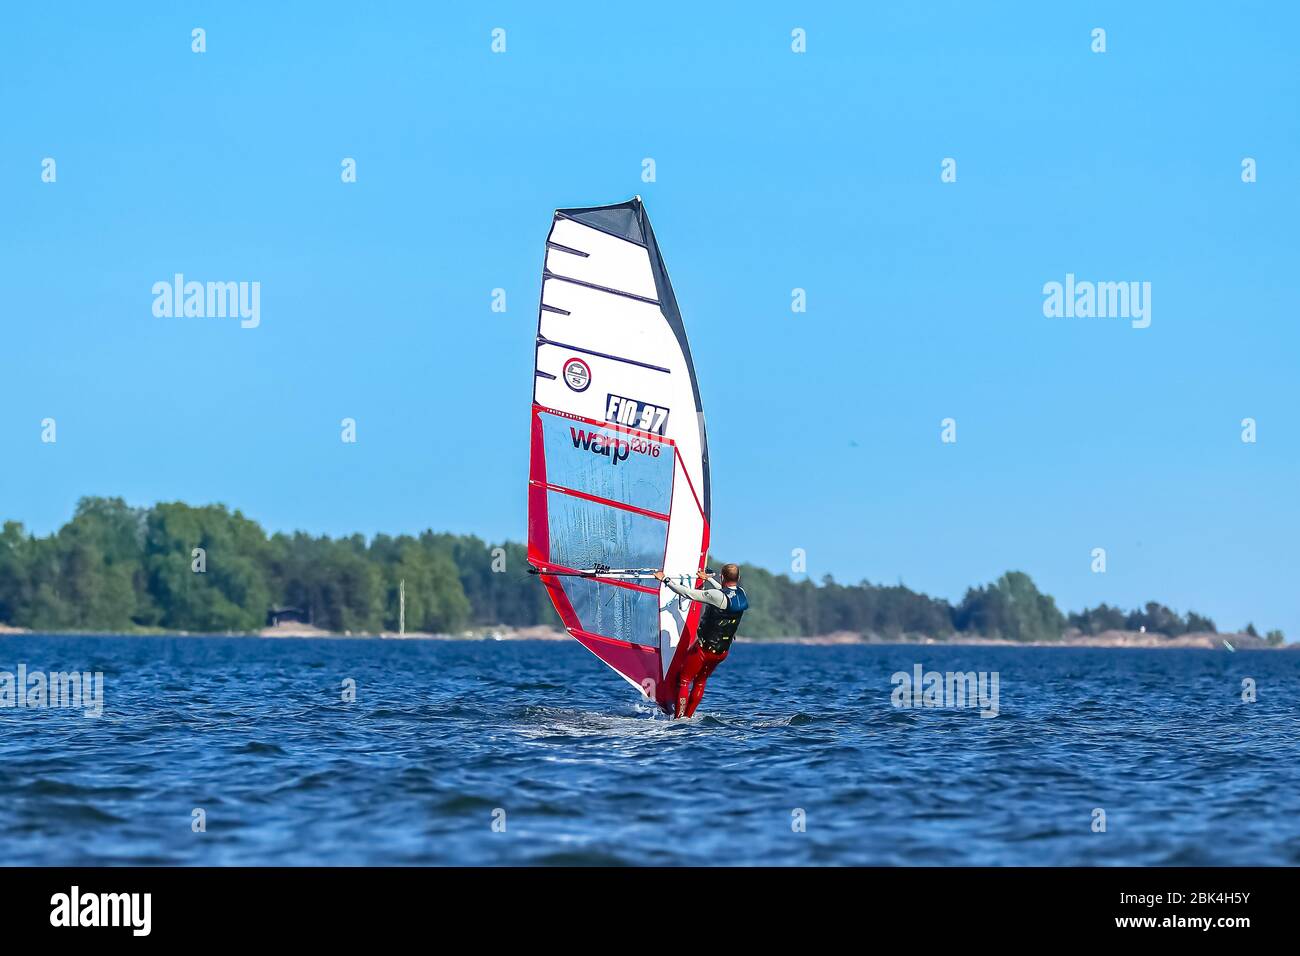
{"x": 207, "y": 569}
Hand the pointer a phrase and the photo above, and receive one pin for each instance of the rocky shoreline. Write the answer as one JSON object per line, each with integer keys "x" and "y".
{"x": 1204, "y": 640}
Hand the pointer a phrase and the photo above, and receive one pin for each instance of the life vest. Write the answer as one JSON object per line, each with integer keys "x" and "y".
{"x": 718, "y": 627}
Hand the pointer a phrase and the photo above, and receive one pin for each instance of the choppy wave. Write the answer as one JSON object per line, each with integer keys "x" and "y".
{"x": 240, "y": 751}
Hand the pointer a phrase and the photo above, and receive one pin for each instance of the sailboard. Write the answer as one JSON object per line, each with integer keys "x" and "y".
{"x": 618, "y": 482}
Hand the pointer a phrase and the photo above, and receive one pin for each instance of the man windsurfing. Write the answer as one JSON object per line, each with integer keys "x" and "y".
{"x": 723, "y": 607}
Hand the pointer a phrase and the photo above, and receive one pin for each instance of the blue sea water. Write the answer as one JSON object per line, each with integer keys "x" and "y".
{"x": 445, "y": 738}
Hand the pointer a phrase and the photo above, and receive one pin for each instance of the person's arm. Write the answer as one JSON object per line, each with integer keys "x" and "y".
{"x": 711, "y": 596}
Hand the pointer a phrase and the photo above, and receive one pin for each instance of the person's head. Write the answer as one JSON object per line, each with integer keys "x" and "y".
{"x": 730, "y": 574}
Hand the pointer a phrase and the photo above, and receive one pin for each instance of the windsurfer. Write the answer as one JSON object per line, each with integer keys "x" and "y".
{"x": 724, "y": 606}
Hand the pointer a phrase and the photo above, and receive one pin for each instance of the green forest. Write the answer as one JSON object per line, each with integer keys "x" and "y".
{"x": 174, "y": 567}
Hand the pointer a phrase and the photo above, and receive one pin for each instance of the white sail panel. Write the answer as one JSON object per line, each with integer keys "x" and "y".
{"x": 619, "y": 472}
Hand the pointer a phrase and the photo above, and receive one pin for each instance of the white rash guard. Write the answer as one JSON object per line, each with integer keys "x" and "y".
{"x": 707, "y": 595}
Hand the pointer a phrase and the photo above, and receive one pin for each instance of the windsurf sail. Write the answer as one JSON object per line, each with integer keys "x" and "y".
{"x": 618, "y": 482}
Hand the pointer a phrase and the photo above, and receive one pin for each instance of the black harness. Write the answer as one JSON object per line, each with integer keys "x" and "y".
{"x": 717, "y": 626}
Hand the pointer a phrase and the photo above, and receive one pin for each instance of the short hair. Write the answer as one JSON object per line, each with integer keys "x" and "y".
{"x": 731, "y": 572}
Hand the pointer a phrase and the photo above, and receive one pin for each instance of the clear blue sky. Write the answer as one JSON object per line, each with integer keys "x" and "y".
{"x": 774, "y": 171}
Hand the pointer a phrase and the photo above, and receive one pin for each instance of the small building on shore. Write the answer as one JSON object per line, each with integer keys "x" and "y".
{"x": 287, "y": 615}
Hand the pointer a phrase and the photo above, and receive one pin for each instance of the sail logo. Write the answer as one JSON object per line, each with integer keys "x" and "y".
{"x": 577, "y": 374}
{"x": 615, "y": 449}
{"x": 636, "y": 414}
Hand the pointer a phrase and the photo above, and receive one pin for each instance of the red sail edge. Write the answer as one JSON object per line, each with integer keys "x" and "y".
{"x": 615, "y": 417}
